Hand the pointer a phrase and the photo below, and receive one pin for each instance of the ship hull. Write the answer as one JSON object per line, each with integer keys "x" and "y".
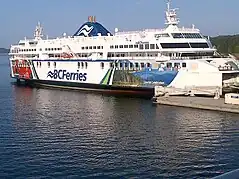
{"x": 67, "y": 74}
{"x": 112, "y": 77}
{"x": 132, "y": 91}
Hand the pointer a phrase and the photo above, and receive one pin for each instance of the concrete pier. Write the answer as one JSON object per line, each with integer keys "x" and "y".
{"x": 207, "y": 103}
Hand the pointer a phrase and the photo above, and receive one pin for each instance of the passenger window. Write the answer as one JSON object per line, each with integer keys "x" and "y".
{"x": 111, "y": 65}
{"x": 152, "y": 46}
{"x": 131, "y": 65}
{"x": 169, "y": 65}
{"x": 102, "y": 65}
{"x": 136, "y": 65}
{"x": 176, "y": 64}
{"x": 82, "y": 64}
{"x": 142, "y": 65}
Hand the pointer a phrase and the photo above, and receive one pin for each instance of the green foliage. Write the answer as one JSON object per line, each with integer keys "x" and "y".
{"x": 226, "y": 44}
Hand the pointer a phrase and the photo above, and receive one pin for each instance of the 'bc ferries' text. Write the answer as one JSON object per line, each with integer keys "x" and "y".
{"x": 65, "y": 75}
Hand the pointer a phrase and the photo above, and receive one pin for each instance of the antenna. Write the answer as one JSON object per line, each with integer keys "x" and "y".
{"x": 38, "y": 31}
{"x": 171, "y": 15}
{"x": 168, "y": 5}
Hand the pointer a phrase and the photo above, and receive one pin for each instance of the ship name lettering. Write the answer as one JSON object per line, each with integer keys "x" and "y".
{"x": 65, "y": 75}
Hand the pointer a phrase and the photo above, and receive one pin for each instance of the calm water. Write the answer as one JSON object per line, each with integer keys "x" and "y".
{"x": 58, "y": 134}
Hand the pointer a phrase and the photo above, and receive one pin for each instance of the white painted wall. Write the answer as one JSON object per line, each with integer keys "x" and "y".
{"x": 186, "y": 79}
{"x": 94, "y": 71}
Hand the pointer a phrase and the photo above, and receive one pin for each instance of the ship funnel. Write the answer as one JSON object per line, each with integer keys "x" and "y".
{"x": 91, "y": 19}
{"x": 92, "y": 28}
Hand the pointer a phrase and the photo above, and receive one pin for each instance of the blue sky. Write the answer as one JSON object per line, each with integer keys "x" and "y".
{"x": 19, "y": 17}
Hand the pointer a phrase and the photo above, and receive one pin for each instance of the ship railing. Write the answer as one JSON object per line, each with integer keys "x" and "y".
{"x": 190, "y": 58}
{"x": 188, "y": 29}
{"x": 137, "y": 32}
{"x": 154, "y": 30}
{"x": 160, "y": 58}
{"x": 128, "y": 32}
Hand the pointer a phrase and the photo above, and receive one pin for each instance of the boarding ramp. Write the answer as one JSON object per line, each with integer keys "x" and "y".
{"x": 188, "y": 91}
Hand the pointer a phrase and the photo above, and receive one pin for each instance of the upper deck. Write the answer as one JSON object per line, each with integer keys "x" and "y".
{"x": 93, "y": 37}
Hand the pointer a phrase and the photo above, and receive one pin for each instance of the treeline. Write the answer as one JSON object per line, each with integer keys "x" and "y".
{"x": 4, "y": 50}
{"x": 226, "y": 44}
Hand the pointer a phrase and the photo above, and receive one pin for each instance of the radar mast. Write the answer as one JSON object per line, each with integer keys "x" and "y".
{"x": 38, "y": 34}
{"x": 171, "y": 15}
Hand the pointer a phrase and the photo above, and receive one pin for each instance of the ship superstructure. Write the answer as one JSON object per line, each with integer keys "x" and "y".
{"x": 95, "y": 58}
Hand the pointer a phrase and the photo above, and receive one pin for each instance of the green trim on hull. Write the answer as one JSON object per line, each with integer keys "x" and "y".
{"x": 106, "y": 79}
{"x": 34, "y": 70}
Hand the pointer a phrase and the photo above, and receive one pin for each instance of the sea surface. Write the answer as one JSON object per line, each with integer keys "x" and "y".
{"x": 48, "y": 133}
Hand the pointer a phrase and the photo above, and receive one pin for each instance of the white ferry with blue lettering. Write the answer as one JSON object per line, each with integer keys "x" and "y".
{"x": 130, "y": 62}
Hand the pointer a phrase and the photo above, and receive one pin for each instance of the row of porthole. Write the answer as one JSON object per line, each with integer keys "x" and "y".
{"x": 79, "y": 64}
{"x": 126, "y": 65}
{"x": 131, "y": 65}
{"x": 92, "y": 47}
{"x": 48, "y": 64}
{"x": 140, "y": 46}
{"x": 117, "y": 65}
{"x": 143, "y": 54}
{"x": 82, "y": 64}
{"x": 38, "y": 64}
{"x": 27, "y": 50}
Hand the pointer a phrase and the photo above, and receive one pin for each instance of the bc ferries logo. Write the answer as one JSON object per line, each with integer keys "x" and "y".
{"x": 65, "y": 75}
{"x": 85, "y": 30}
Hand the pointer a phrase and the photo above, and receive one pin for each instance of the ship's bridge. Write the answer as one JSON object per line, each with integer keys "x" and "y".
{"x": 92, "y": 28}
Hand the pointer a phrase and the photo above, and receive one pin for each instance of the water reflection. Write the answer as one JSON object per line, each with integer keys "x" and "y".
{"x": 95, "y": 135}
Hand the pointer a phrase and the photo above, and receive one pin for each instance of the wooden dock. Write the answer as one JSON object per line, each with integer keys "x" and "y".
{"x": 207, "y": 103}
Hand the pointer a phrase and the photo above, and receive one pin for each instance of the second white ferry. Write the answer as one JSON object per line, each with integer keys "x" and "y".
{"x": 124, "y": 62}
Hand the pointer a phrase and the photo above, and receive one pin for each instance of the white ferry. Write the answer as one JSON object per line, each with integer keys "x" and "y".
{"x": 130, "y": 62}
